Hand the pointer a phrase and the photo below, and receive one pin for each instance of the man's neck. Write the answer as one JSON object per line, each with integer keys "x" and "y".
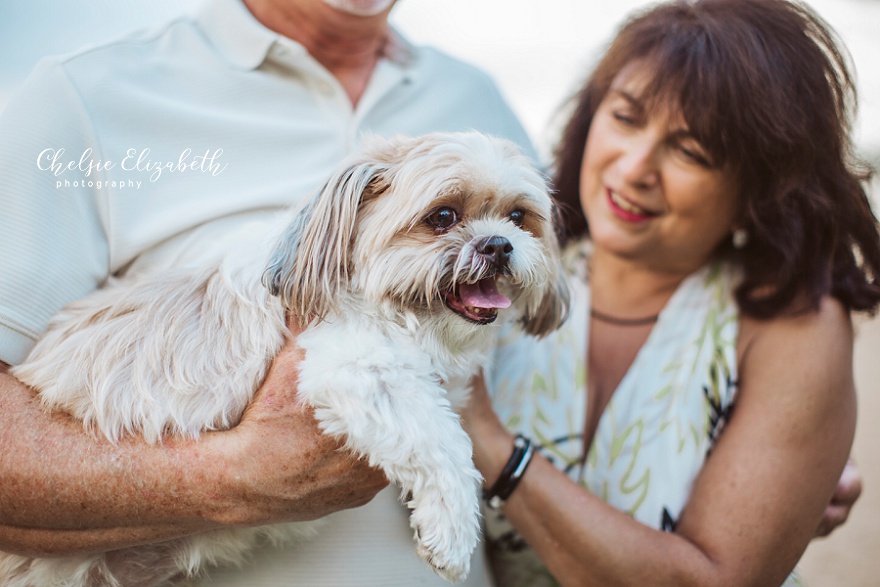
{"x": 348, "y": 46}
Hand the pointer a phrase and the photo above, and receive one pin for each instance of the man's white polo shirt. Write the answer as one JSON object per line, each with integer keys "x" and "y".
{"x": 112, "y": 150}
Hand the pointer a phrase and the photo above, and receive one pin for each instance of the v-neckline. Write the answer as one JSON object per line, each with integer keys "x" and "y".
{"x": 631, "y": 371}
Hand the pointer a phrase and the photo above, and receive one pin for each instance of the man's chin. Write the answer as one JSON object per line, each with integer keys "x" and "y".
{"x": 360, "y": 7}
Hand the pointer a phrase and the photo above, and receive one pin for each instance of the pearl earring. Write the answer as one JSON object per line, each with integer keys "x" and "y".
{"x": 740, "y": 238}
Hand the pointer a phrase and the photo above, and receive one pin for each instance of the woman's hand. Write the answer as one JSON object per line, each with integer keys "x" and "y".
{"x": 849, "y": 488}
{"x": 492, "y": 443}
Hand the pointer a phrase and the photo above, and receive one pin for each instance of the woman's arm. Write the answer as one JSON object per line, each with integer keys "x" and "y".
{"x": 758, "y": 499}
{"x": 65, "y": 491}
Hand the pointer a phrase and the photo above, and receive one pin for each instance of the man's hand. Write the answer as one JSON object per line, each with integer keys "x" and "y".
{"x": 283, "y": 468}
{"x": 849, "y": 488}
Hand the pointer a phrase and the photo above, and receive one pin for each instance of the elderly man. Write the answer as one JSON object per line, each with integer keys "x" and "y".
{"x": 132, "y": 156}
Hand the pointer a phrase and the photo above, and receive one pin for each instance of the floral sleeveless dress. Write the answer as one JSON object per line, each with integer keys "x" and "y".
{"x": 658, "y": 427}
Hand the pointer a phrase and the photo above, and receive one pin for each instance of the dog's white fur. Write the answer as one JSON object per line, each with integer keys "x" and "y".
{"x": 364, "y": 269}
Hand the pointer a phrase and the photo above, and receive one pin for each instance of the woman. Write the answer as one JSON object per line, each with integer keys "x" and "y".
{"x": 730, "y": 237}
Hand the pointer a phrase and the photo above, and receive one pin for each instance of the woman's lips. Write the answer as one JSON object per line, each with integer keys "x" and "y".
{"x": 626, "y": 210}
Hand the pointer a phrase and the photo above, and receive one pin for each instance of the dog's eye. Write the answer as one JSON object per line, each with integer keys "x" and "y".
{"x": 443, "y": 218}
{"x": 517, "y": 217}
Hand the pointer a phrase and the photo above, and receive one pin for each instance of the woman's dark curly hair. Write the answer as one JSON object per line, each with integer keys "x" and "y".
{"x": 765, "y": 89}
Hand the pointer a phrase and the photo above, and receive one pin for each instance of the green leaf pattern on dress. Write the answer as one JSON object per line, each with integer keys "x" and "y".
{"x": 659, "y": 425}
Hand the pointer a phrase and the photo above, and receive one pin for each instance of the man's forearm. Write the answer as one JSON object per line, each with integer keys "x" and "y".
{"x": 94, "y": 495}
{"x": 46, "y": 543}
{"x": 87, "y": 494}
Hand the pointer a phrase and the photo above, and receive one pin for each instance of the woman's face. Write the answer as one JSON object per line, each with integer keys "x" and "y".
{"x": 649, "y": 190}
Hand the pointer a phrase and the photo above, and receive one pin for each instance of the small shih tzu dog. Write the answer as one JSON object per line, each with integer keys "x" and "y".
{"x": 394, "y": 269}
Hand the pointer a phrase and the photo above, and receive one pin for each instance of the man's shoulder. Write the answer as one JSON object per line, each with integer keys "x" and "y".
{"x": 129, "y": 54}
{"x": 441, "y": 62}
{"x": 150, "y": 39}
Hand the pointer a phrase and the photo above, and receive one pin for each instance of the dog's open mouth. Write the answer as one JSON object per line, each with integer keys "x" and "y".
{"x": 478, "y": 302}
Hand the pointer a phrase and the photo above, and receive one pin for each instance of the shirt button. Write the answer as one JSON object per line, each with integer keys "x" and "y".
{"x": 325, "y": 88}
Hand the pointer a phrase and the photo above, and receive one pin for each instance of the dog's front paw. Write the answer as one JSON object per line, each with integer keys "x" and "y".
{"x": 454, "y": 572}
{"x": 453, "y": 563}
{"x": 447, "y": 527}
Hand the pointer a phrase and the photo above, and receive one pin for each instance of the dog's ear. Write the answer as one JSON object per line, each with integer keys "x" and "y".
{"x": 310, "y": 263}
{"x": 549, "y": 308}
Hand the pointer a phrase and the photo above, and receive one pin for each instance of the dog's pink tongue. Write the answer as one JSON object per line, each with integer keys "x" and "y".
{"x": 482, "y": 294}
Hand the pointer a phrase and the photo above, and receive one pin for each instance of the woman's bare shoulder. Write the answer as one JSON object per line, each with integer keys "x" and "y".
{"x": 798, "y": 356}
{"x": 827, "y": 328}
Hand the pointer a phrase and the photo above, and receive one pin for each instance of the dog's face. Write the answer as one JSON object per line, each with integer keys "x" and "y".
{"x": 455, "y": 227}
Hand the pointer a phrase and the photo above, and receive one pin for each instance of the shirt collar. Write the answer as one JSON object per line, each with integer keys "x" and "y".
{"x": 245, "y": 41}
{"x": 398, "y": 49}
{"x": 235, "y": 32}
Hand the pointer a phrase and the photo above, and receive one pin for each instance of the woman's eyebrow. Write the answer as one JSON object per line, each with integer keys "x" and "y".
{"x": 682, "y": 133}
{"x": 632, "y": 99}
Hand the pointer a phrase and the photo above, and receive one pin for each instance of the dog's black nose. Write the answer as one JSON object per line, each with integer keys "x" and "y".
{"x": 498, "y": 249}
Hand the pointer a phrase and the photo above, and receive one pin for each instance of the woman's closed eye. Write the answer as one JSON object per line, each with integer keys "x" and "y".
{"x": 626, "y": 117}
{"x": 693, "y": 152}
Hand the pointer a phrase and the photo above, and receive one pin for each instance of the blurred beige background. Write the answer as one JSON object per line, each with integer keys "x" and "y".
{"x": 850, "y": 557}
{"x": 539, "y": 51}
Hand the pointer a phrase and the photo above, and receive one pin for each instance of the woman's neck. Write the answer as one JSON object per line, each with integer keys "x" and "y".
{"x": 348, "y": 46}
{"x": 626, "y": 289}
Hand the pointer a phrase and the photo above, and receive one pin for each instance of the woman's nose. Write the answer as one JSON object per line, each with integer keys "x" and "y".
{"x": 638, "y": 163}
